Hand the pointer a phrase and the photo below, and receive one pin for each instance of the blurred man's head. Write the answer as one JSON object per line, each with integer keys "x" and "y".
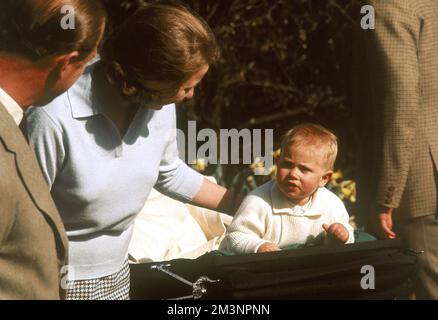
{"x": 45, "y": 45}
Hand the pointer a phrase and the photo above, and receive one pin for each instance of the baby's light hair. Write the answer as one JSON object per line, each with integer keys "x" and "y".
{"x": 310, "y": 134}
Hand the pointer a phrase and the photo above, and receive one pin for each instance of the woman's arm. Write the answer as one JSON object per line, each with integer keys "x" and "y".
{"x": 215, "y": 197}
{"x": 179, "y": 181}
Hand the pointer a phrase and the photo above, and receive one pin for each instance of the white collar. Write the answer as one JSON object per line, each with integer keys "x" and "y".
{"x": 11, "y": 106}
{"x": 280, "y": 204}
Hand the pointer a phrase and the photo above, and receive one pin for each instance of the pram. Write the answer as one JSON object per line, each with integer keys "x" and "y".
{"x": 378, "y": 269}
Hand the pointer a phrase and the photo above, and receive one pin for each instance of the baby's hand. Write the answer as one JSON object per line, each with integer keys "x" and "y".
{"x": 337, "y": 231}
{"x": 268, "y": 247}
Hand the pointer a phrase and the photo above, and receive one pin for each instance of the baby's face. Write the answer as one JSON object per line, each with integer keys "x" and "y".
{"x": 301, "y": 171}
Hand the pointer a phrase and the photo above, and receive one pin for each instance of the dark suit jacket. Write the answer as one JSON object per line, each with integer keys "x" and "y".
{"x": 33, "y": 243}
{"x": 395, "y": 98}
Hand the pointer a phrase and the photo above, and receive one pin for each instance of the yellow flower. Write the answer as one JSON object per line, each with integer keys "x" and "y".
{"x": 200, "y": 165}
{"x": 257, "y": 166}
{"x": 336, "y": 176}
{"x": 276, "y": 153}
{"x": 273, "y": 171}
{"x": 348, "y": 190}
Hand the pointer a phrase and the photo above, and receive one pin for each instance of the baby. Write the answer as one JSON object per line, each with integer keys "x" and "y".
{"x": 296, "y": 208}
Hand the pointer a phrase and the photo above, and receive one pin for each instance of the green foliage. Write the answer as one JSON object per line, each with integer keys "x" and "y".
{"x": 281, "y": 60}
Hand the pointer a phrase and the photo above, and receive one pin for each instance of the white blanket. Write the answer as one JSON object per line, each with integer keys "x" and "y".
{"x": 167, "y": 229}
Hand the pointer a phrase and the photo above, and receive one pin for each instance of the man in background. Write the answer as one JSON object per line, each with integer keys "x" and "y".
{"x": 44, "y": 47}
{"x": 395, "y": 97}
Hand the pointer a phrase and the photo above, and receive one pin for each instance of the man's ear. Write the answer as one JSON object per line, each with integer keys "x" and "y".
{"x": 325, "y": 178}
{"x": 65, "y": 61}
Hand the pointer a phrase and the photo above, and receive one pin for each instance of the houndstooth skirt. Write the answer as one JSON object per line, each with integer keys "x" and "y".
{"x": 112, "y": 287}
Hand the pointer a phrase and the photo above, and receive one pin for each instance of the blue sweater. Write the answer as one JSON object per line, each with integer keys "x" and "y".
{"x": 99, "y": 180}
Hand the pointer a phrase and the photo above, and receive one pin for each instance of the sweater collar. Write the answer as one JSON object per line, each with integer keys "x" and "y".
{"x": 80, "y": 96}
{"x": 280, "y": 204}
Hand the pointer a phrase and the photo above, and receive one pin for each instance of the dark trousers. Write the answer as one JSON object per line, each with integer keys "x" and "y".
{"x": 421, "y": 234}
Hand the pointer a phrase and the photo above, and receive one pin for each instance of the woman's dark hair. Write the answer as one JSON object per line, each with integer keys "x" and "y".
{"x": 162, "y": 43}
{"x": 33, "y": 28}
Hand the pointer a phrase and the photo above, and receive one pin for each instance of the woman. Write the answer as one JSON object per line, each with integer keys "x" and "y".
{"x": 104, "y": 144}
